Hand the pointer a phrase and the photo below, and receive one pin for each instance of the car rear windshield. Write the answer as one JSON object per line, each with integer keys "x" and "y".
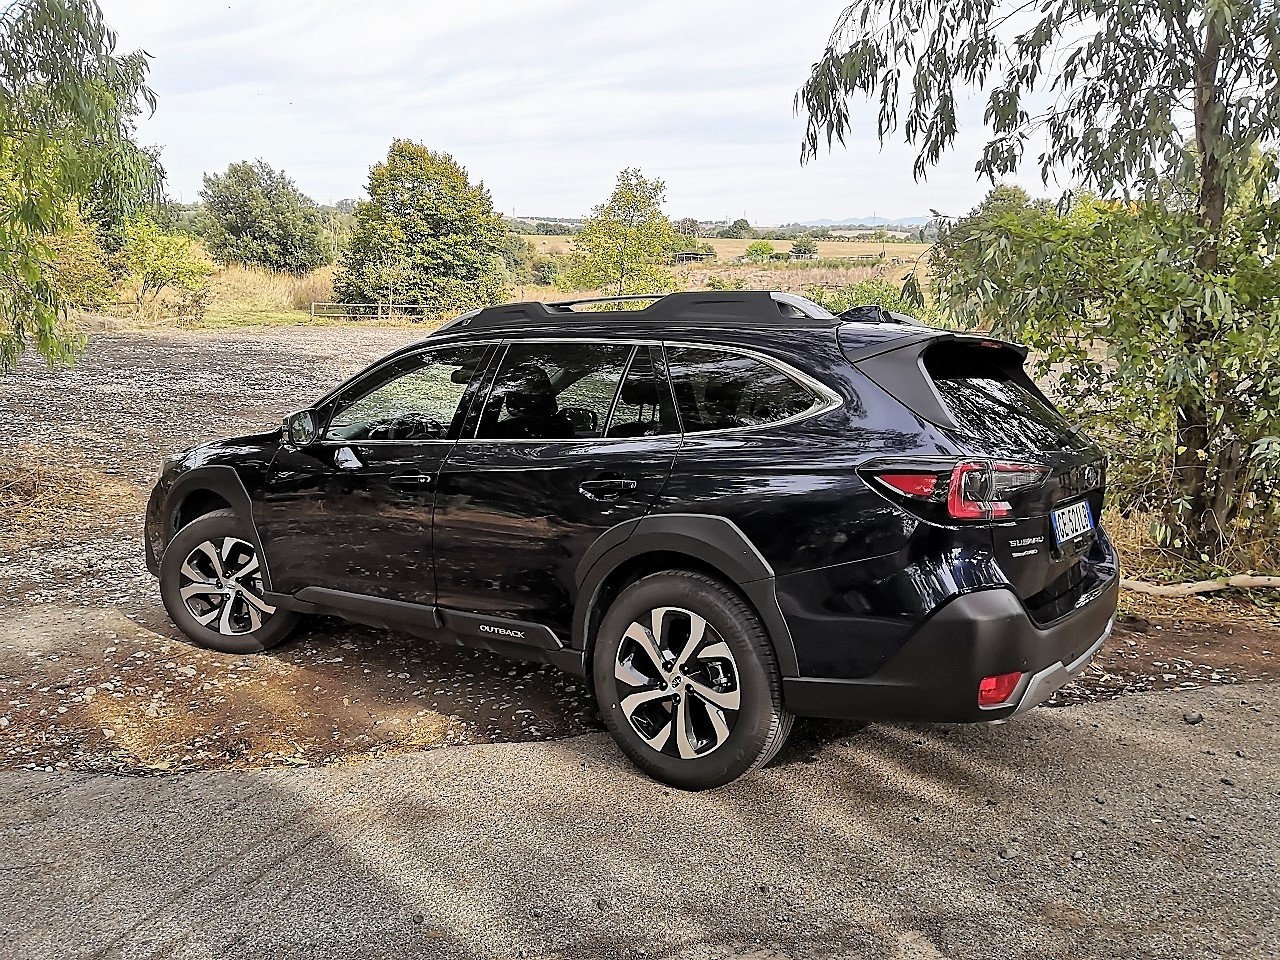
{"x": 991, "y": 398}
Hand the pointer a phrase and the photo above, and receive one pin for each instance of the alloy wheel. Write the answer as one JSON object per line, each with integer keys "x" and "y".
{"x": 678, "y": 683}
{"x": 220, "y": 583}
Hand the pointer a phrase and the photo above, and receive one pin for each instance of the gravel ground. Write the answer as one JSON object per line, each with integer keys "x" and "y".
{"x": 93, "y": 676}
{"x": 1142, "y": 827}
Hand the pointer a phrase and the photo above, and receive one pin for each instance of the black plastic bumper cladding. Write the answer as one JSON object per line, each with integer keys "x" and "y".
{"x": 935, "y": 676}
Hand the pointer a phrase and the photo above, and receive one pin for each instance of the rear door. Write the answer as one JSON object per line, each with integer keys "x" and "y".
{"x": 569, "y": 439}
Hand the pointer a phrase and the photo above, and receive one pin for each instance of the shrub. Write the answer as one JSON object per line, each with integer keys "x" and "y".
{"x": 156, "y": 262}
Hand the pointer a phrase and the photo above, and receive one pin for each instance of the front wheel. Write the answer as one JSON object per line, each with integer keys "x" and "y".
{"x": 687, "y": 681}
{"x": 211, "y": 584}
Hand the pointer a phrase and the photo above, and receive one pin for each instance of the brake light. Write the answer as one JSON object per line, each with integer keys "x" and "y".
{"x": 980, "y": 489}
{"x": 995, "y": 691}
{"x": 971, "y": 490}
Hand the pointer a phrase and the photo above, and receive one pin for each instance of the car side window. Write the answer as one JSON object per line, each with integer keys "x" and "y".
{"x": 418, "y": 402}
{"x": 716, "y": 390}
{"x": 644, "y": 407}
{"x": 553, "y": 391}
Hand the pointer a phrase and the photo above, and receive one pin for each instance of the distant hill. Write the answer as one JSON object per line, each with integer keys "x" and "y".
{"x": 869, "y": 222}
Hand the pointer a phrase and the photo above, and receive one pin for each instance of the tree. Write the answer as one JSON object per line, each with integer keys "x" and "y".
{"x": 1107, "y": 325}
{"x": 1164, "y": 99}
{"x": 78, "y": 270}
{"x": 626, "y": 243}
{"x": 738, "y": 230}
{"x": 426, "y": 235}
{"x": 688, "y": 227}
{"x": 255, "y": 215}
{"x": 759, "y": 250}
{"x": 157, "y": 261}
{"x": 957, "y": 248}
{"x": 804, "y": 247}
{"x": 67, "y": 107}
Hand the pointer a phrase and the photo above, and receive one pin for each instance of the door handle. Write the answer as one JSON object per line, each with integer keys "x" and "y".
{"x": 605, "y": 488}
{"x": 411, "y": 481}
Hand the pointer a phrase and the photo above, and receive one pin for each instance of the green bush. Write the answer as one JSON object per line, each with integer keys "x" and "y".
{"x": 876, "y": 291}
{"x": 255, "y": 215}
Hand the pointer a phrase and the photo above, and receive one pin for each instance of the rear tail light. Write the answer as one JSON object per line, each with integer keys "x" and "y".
{"x": 995, "y": 691}
{"x": 971, "y": 490}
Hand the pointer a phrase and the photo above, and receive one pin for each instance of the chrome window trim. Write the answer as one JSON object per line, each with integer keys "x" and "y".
{"x": 827, "y": 399}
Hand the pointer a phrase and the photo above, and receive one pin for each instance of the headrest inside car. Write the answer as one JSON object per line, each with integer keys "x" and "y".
{"x": 636, "y": 393}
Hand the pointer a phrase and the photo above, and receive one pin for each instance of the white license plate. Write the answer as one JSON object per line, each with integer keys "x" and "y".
{"x": 1072, "y": 522}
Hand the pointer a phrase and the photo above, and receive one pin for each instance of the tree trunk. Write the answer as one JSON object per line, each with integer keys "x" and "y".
{"x": 1191, "y": 513}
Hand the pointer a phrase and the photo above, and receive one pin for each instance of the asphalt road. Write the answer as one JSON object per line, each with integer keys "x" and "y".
{"x": 1114, "y": 829}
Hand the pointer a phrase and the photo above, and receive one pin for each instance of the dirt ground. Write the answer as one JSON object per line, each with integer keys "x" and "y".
{"x": 94, "y": 677}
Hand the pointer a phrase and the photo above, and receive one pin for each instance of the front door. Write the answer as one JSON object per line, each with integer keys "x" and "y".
{"x": 557, "y": 455}
{"x": 352, "y": 512}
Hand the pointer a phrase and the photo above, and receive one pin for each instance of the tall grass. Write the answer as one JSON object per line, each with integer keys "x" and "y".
{"x": 241, "y": 288}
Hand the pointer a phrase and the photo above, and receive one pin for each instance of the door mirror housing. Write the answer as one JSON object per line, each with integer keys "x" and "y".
{"x": 302, "y": 429}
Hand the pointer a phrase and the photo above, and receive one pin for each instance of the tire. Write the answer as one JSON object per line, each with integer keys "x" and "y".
{"x": 675, "y": 719}
{"x": 231, "y": 615}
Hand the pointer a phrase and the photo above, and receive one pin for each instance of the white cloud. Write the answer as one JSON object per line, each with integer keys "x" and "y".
{"x": 544, "y": 102}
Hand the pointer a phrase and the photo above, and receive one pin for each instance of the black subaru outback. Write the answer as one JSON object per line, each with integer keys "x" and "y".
{"x": 723, "y": 509}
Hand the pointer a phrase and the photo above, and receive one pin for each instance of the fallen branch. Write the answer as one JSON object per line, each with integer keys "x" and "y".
{"x": 1243, "y": 580}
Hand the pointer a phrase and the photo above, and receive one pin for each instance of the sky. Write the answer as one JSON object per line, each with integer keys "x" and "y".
{"x": 544, "y": 102}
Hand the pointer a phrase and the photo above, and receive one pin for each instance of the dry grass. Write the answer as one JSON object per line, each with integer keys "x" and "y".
{"x": 249, "y": 289}
{"x": 731, "y": 249}
{"x": 47, "y": 494}
{"x": 1141, "y": 558}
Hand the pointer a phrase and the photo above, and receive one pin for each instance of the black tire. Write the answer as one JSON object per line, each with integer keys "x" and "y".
{"x": 622, "y": 671}
{"x": 217, "y": 529}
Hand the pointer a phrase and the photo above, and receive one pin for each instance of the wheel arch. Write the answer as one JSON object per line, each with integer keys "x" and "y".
{"x": 707, "y": 543}
{"x": 202, "y": 491}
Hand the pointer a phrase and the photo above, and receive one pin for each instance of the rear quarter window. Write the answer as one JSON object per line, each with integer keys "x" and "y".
{"x": 716, "y": 390}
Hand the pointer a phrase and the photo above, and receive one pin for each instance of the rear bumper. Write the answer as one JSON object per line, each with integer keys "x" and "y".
{"x": 935, "y": 675}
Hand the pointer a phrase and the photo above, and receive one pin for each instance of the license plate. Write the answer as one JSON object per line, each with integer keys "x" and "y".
{"x": 1072, "y": 522}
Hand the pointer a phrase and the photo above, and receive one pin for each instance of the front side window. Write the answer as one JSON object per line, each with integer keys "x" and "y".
{"x": 418, "y": 400}
{"x": 553, "y": 391}
{"x": 723, "y": 391}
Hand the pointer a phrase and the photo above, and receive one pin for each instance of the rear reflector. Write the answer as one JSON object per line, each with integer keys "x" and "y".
{"x": 995, "y": 691}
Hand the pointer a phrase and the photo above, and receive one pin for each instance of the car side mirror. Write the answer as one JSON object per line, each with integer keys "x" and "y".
{"x": 301, "y": 428}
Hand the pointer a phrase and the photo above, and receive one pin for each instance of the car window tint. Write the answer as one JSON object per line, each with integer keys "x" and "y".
{"x": 553, "y": 391}
{"x": 721, "y": 391}
{"x": 418, "y": 402}
{"x": 644, "y": 407}
{"x": 988, "y": 400}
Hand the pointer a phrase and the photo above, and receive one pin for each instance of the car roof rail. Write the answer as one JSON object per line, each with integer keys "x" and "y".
{"x": 566, "y": 306}
{"x": 761, "y": 308}
{"x": 874, "y": 313}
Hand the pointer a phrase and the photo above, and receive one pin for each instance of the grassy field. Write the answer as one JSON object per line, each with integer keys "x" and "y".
{"x": 731, "y": 249}
{"x": 250, "y": 297}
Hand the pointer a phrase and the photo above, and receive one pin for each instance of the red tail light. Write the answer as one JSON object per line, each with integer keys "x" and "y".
{"x": 971, "y": 490}
{"x": 995, "y": 691}
{"x": 912, "y": 484}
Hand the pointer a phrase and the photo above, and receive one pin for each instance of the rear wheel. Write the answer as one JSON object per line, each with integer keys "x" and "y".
{"x": 687, "y": 682}
{"x": 212, "y": 587}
